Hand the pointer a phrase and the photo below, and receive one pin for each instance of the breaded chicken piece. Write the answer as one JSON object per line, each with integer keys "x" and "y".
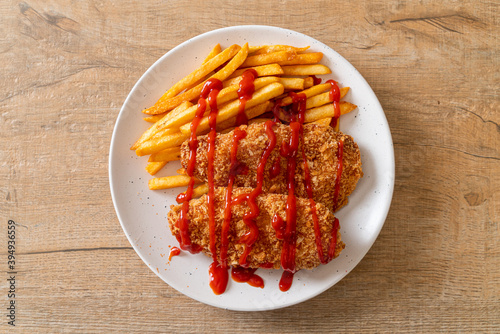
{"x": 321, "y": 145}
{"x": 267, "y": 249}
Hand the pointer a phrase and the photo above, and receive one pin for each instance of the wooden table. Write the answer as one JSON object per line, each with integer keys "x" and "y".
{"x": 67, "y": 67}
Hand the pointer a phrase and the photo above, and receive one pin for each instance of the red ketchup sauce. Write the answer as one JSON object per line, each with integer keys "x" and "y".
{"x": 335, "y": 97}
{"x": 242, "y": 273}
{"x": 247, "y": 275}
{"x": 289, "y": 151}
{"x": 184, "y": 198}
{"x": 218, "y": 274}
{"x": 285, "y": 230}
{"x": 316, "y": 80}
{"x": 234, "y": 170}
{"x": 245, "y": 92}
{"x": 174, "y": 251}
{"x": 279, "y": 226}
{"x": 251, "y": 236}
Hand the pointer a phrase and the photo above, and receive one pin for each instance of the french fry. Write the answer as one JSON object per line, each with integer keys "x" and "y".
{"x": 250, "y": 113}
{"x": 316, "y": 69}
{"x": 324, "y": 98}
{"x": 169, "y": 182}
{"x": 193, "y": 93}
{"x": 159, "y": 125}
{"x": 324, "y": 111}
{"x": 303, "y": 59}
{"x": 264, "y": 70}
{"x": 157, "y": 144}
{"x": 154, "y": 118}
{"x": 154, "y": 167}
{"x": 237, "y": 80}
{"x": 308, "y": 82}
{"x": 292, "y": 83}
{"x": 214, "y": 52}
{"x": 254, "y": 48}
{"x": 314, "y": 90}
{"x": 275, "y": 48}
{"x": 202, "y": 71}
{"x": 201, "y": 190}
{"x": 268, "y": 58}
{"x": 231, "y": 109}
{"x": 174, "y": 112}
{"x": 225, "y": 95}
{"x": 164, "y": 132}
{"x": 168, "y": 154}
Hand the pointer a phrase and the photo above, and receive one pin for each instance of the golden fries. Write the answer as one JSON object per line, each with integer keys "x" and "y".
{"x": 275, "y": 48}
{"x": 201, "y": 190}
{"x": 191, "y": 94}
{"x": 292, "y": 83}
{"x": 154, "y": 167}
{"x": 154, "y": 118}
{"x": 159, "y": 125}
{"x": 316, "y": 69}
{"x": 250, "y": 113}
{"x": 225, "y": 95}
{"x": 314, "y": 90}
{"x": 202, "y": 71}
{"x": 324, "y": 98}
{"x": 264, "y": 70}
{"x": 168, "y": 154}
{"x": 215, "y": 51}
{"x": 269, "y": 58}
{"x": 154, "y": 145}
{"x": 303, "y": 59}
{"x": 168, "y": 182}
{"x": 308, "y": 82}
{"x": 325, "y": 111}
{"x": 231, "y": 109}
{"x": 280, "y": 69}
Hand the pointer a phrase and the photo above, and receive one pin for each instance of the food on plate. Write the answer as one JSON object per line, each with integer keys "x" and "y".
{"x": 321, "y": 144}
{"x": 266, "y": 251}
{"x": 264, "y": 162}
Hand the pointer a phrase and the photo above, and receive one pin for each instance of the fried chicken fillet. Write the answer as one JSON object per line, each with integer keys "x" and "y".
{"x": 267, "y": 248}
{"x": 320, "y": 144}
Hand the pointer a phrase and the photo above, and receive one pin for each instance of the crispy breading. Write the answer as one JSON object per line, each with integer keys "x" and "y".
{"x": 320, "y": 143}
{"x": 267, "y": 248}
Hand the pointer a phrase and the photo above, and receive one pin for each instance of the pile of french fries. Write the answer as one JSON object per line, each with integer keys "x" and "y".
{"x": 280, "y": 69}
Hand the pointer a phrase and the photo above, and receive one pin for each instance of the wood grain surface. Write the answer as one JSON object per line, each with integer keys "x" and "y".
{"x": 67, "y": 66}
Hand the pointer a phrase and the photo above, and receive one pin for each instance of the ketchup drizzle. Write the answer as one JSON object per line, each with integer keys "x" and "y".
{"x": 184, "y": 198}
{"x": 249, "y": 219}
{"x": 218, "y": 274}
{"x": 335, "y": 97}
{"x": 247, "y": 275}
{"x": 316, "y": 80}
{"x": 238, "y": 135}
{"x": 212, "y": 121}
{"x": 174, "y": 251}
{"x": 285, "y": 231}
{"x": 279, "y": 226}
{"x": 289, "y": 151}
{"x": 245, "y": 92}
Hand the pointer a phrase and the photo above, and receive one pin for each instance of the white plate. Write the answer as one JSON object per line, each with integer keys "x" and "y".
{"x": 142, "y": 213}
